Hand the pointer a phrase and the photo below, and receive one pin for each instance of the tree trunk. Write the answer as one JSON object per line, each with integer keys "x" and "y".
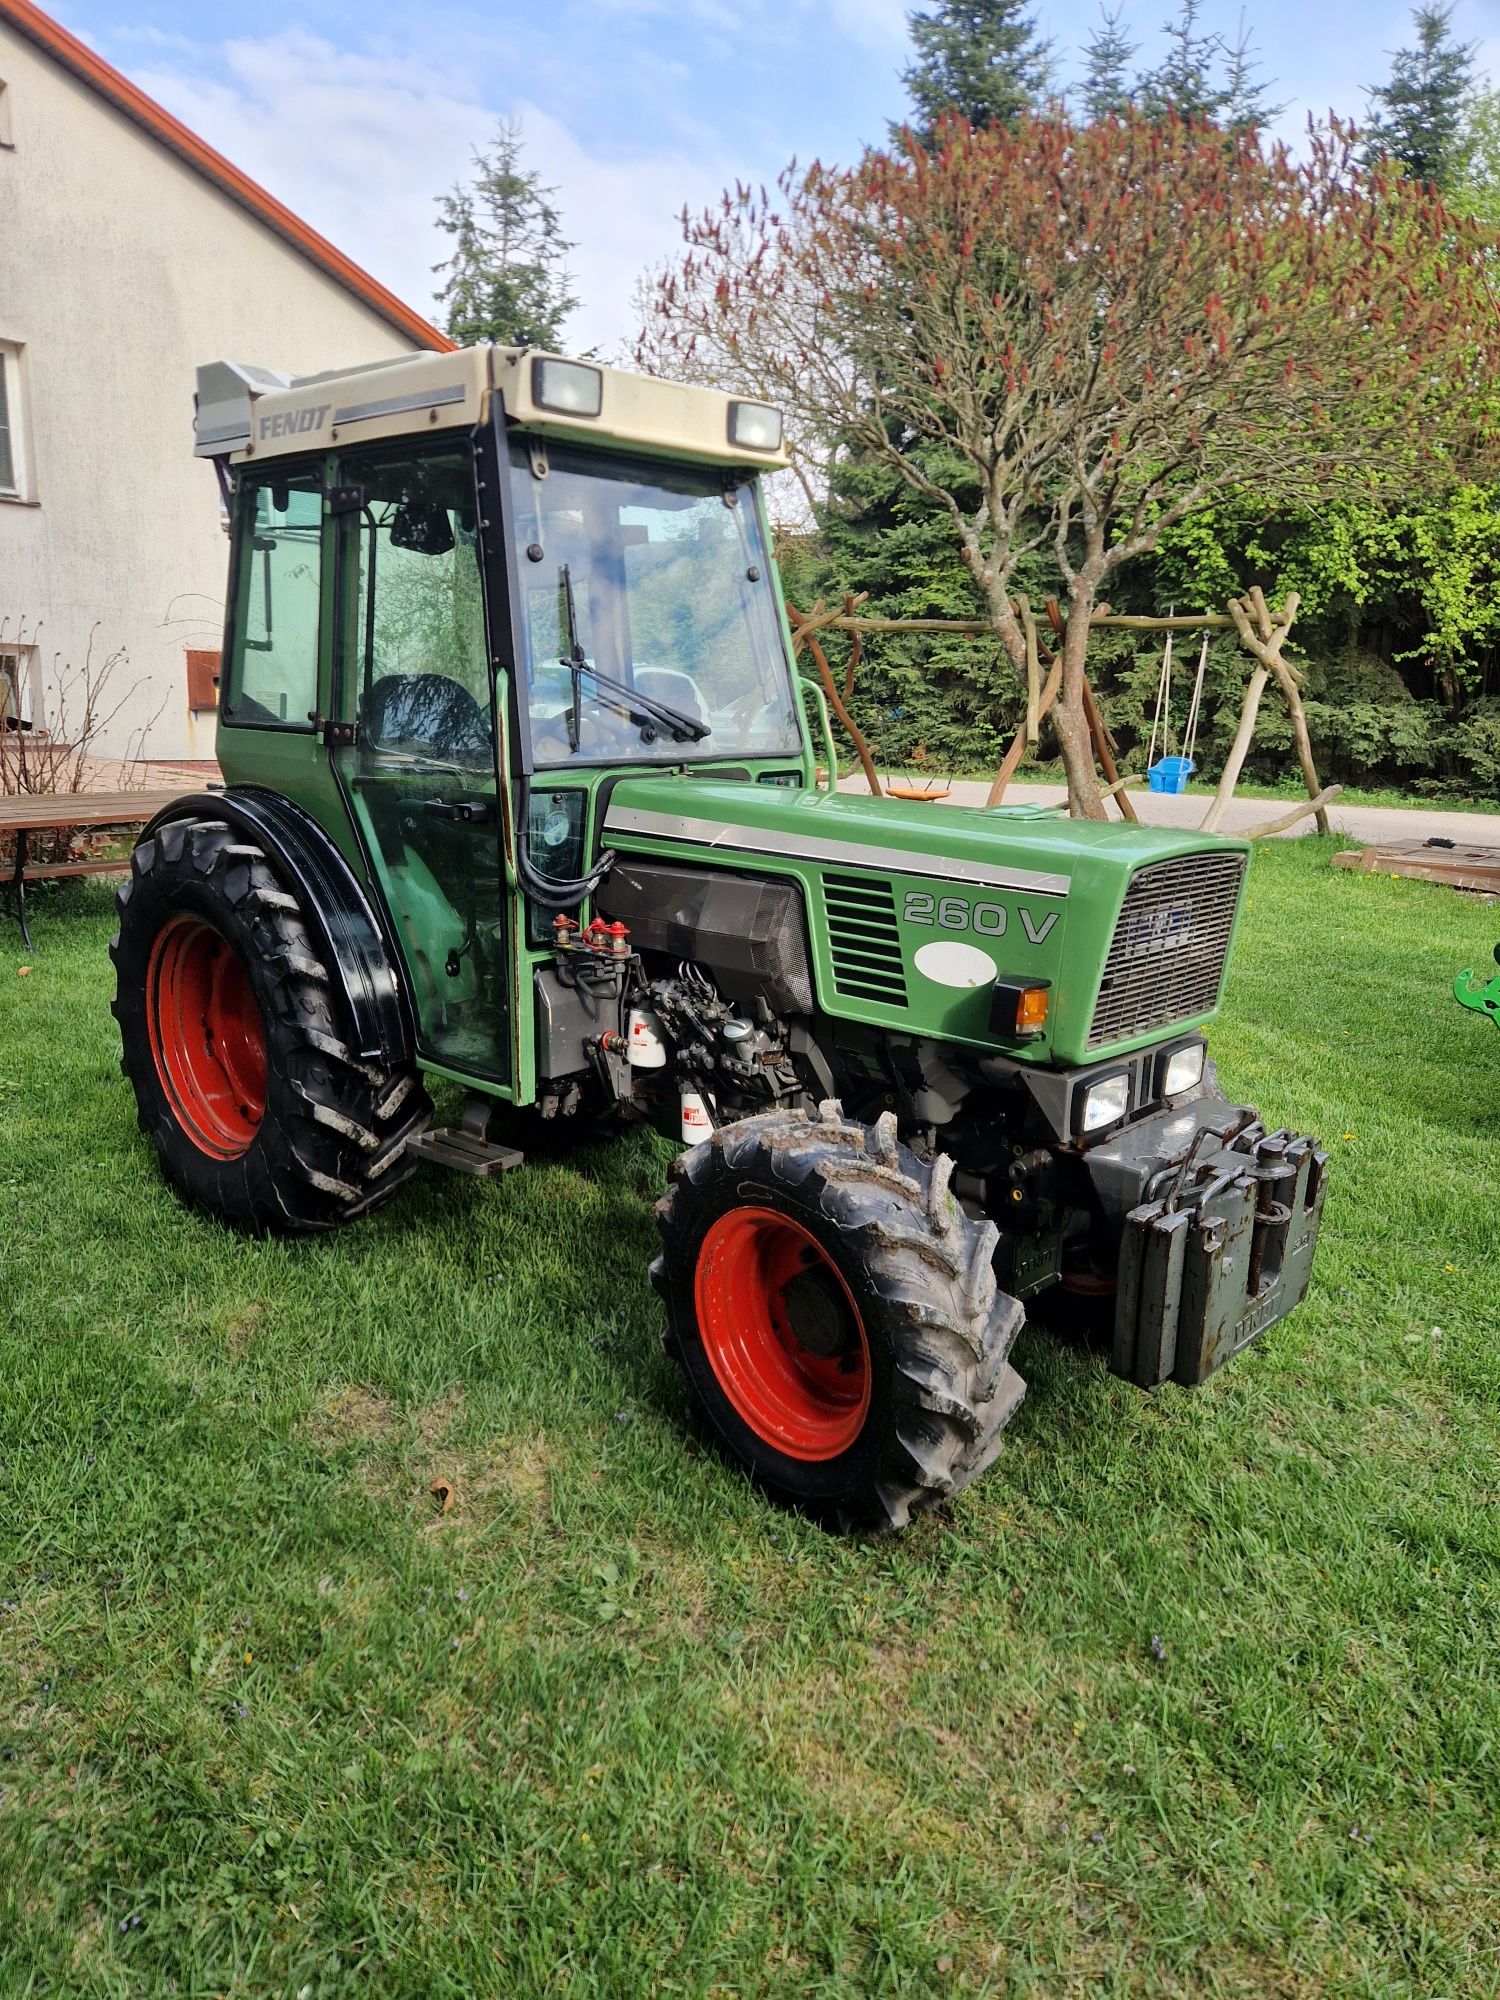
{"x": 1012, "y": 758}
{"x": 1104, "y": 750}
{"x": 1310, "y": 778}
{"x": 1238, "y": 751}
{"x": 855, "y": 733}
{"x": 1263, "y": 636}
{"x": 1070, "y": 715}
{"x": 1287, "y": 820}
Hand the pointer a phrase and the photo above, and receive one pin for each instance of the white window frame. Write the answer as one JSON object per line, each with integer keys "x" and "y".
{"x": 22, "y": 488}
{"x": 20, "y": 677}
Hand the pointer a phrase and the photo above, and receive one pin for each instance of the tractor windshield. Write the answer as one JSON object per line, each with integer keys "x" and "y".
{"x": 657, "y": 577}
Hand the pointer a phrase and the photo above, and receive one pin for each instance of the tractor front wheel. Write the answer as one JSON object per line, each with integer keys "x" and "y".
{"x": 258, "y": 1108}
{"x": 836, "y": 1315}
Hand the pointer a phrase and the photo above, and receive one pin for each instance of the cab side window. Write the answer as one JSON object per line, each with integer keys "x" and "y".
{"x": 272, "y": 682}
{"x": 414, "y": 648}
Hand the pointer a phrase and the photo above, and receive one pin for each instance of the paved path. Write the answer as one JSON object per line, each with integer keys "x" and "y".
{"x": 1370, "y": 825}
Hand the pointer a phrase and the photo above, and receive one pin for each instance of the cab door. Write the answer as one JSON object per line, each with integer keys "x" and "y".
{"x": 413, "y": 740}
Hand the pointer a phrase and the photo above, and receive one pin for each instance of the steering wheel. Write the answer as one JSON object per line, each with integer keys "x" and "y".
{"x": 601, "y": 729}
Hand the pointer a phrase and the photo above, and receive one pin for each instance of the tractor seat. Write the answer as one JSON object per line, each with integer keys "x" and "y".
{"x": 426, "y": 715}
{"x": 671, "y": 685}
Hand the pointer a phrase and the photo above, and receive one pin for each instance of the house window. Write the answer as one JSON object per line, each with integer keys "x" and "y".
{"x": 7, "y": 442}
{"x": 13, "y": 457}
{"x": 18, "y": 706}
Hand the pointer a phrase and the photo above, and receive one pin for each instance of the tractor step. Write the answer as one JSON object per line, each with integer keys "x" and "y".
{"x": 466, "y": 1148}
{"x": 451, "y": 1146}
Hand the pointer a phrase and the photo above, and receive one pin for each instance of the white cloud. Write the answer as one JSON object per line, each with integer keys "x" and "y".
{"x": 877, "y": 24}
{"x": 360, "y": 144}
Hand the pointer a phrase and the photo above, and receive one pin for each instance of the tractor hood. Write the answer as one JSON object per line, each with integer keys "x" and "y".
{"x": 915, "y": 911}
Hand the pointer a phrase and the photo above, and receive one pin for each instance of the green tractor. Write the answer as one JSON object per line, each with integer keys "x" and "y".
{"x": 524, "y": 792}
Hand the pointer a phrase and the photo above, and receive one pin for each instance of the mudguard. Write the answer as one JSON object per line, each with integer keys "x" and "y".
{"x": 332, "y": 903}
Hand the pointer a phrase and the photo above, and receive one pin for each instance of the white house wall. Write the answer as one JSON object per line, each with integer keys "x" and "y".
{"x": 122, "y": 268}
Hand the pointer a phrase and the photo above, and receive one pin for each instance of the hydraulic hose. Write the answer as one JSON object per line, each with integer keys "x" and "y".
{"x": 547, "y": 891}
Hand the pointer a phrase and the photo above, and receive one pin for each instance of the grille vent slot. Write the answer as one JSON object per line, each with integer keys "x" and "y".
{"x": 864, "y": 939}
{"x": 1166, "y": 960}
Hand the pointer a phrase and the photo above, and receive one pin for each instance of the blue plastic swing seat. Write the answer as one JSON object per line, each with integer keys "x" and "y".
{"x": 1170, "y": 774}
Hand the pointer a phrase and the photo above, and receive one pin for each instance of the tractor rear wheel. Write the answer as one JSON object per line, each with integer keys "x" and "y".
{"x": 258, "y": 1108}
{"x": 836, "y": 1315}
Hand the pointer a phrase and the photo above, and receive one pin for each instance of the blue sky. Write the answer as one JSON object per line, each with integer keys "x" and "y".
{"x": 357, "y": 115}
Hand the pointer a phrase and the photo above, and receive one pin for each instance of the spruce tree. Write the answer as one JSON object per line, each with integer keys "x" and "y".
{"x": 1419, "y": 115}
{"x": 979, "y": 59}
{"x": 1184, "y": 80}
{"x": 1242, "y": 98}
{"x": 507, "y": 279}
{"x": 1205, "y": 78}
{"x": 1106, "y": 90}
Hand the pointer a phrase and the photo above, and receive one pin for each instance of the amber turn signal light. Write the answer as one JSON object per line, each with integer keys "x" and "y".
{"x": 1018, "y": 1009}
{"x": 1031, "y": 1010}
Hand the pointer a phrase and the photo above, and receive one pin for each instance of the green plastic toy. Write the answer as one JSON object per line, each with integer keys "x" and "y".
{"x": 1484, "y": 999}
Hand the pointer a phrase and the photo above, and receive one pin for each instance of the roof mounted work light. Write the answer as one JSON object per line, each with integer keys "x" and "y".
{"x": 571, "y": 388}
{"x": 754, "y": 427}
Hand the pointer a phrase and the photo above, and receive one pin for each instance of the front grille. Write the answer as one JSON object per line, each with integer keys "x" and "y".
{"x": 1166, "y": 962}
{"x": 864, "y": 941}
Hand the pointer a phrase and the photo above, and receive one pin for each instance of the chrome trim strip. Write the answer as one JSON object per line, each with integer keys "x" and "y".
{"x": 394, "y": 406}
{"x": 812, "y": 847}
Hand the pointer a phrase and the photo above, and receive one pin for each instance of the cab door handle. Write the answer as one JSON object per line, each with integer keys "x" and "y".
{"x": 473, "y": 812}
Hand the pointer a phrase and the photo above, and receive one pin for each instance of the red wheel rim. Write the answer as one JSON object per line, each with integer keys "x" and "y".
{"x": 206, "y": 1037}
{"x": 764, "y": 1286}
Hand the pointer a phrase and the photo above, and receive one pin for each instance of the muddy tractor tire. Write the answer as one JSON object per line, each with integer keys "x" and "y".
{"x": 259, "y": 1110}
{"x": 836, "y": 1315}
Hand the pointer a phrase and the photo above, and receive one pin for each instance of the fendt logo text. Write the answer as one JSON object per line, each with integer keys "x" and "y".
{"x": 1153, "y": 929}
{"x": 294, "y": 422}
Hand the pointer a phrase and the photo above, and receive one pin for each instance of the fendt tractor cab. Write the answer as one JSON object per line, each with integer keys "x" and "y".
{"x": 524, "y": 792}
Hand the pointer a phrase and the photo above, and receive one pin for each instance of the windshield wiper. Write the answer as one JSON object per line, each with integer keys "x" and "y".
{"x": 642, "y": 709}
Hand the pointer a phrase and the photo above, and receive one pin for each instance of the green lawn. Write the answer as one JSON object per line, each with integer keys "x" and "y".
{"x": 1197, "y": 1694}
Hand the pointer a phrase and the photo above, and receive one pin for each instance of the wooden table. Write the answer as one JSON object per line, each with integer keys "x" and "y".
{"x": 26, "y": 813}
{"x": 1461, "y": 864}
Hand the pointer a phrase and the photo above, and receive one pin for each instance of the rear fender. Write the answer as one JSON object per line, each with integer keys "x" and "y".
{"x": 333, "y": 905}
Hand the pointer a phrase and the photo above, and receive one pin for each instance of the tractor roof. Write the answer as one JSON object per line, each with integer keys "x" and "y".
{"x": 248, "y": 414}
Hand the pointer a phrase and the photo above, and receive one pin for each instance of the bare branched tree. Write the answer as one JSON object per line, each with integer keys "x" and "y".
{"x": 52, "y": 751}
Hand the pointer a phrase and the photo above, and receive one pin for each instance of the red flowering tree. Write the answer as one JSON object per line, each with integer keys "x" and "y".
{"x": 1099, "y": 329}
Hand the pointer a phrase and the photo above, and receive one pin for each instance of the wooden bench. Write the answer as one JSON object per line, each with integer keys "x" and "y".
{"x": 25, "y": 814}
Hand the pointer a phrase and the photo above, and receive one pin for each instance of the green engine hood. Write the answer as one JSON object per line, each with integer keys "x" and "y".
{"x": 914, "y": 910}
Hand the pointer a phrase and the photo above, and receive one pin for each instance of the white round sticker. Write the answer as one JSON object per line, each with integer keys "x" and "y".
{"x": 947, "y": 963}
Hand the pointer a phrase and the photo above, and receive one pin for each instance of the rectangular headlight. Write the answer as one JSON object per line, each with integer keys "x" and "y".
{"x": 571, "y": 388}
{"x": 1105, "y": 1103}
{"x": 755, "y": 427}
{"x": 1184, "y": 1069}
